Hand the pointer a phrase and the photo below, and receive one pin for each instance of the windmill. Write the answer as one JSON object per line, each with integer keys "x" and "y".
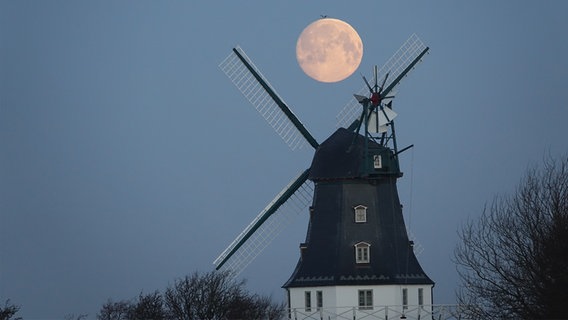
{"x": 357, "y": 251}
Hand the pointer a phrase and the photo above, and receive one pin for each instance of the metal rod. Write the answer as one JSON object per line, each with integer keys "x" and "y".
{"x": 404, "y": 149}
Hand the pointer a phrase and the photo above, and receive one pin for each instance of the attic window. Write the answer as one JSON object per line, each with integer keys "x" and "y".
{"x": 362, "y": 252}
{"x": 360, "y": 214}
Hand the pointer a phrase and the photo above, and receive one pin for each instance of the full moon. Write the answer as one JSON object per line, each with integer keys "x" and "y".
{"x": 329, "y": 50}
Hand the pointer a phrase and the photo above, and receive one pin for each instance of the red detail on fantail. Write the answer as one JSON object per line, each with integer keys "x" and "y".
{"x": 375, "y": 98}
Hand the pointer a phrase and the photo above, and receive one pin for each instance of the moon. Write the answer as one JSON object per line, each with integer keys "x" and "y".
{"x": 329, "y": 50}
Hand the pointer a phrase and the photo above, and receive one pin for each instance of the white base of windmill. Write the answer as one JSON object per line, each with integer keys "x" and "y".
{"x": 360, "y": 302}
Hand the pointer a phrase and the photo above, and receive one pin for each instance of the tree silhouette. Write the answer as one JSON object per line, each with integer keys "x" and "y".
{"x": 215, "y": 295}
{"x": 119, "y": 310}
{"x": 209, "y": 296}
{"x": 513, "y": 260}
{"x": 9, "y": 311}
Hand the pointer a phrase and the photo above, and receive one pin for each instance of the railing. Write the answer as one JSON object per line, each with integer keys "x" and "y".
{"x": 437, "y": 312}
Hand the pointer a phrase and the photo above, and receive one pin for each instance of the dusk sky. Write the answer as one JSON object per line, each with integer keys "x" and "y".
{"x": 129, "y": 160}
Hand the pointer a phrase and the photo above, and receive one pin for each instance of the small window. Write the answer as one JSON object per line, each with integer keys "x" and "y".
{"x": 405, "y": 298}
{"x": 365, "y": 299}
{"x": 420, "y": 296}
{"x": 362, "y": 252}
{"x": 360, "y": 214}
{"x": 377, "y": 162}
{"x": 319, "y": 299}
{"x": 308, "y": 301}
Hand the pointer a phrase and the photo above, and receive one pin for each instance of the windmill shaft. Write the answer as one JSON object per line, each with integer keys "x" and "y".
{"x": 278, "y": 101}
{"x": 271, "y": 209}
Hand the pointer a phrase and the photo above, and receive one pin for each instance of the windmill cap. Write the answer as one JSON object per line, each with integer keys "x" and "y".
{"x": 341, "y": 156}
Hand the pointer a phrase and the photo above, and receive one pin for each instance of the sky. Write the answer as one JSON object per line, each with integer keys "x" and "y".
{"x": 129, "y": 160}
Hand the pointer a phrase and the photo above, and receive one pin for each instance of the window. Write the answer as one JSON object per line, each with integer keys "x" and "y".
{"x": 308, "y": 300}
{"x": 377, "y": 162}
{"x": 365, "y": 299}
{"x": 420, "y": 296}
{"x": 360, "y": 214}
{"x": 319, "y": 299}
{"x": 405, "y": 298}
{"x": 362, "y": 252}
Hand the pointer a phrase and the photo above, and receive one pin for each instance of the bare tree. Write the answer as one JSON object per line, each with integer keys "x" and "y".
{"x": 216, "y": 296}
{"x": 513, "y": 260}
{"x": 147, "y": 307}
{"x": 111, "y": 310}
{"x": 271, "y": 309}
{"x": 204, "y": 296}
{"x": 255, "y": 307}
{"x": 8, "y": 312}
{"x": 209, "y": 296}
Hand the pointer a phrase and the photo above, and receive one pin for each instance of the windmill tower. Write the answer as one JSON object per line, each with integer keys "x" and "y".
{"x": 357, "y": 257}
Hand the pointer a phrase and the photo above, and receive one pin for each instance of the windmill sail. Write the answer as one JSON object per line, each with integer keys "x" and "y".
{"x": 398, "y": 66}
{"x": 252, "y": 84}
{"x": 288, "y": 204}
{"x": 297, "y": 195}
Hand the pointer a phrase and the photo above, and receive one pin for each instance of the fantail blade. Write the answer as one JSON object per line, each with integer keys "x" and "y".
{"x": 360, "y": 98}
{"x": 367, "y": 83}
{"x": 384, "y": 81}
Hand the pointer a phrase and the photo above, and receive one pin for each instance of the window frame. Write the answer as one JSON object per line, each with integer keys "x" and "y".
{"x": 360, "y": 210}
{"x": 308, "y": 301}
{"x": 377, "y": 161}
{"x": 362, "y": 252}
{"x": 365, "y": 299}
{"x": 319, "y": 299}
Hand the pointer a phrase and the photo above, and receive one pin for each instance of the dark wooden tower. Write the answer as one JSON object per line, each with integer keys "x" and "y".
{"x": 350, "y": 209}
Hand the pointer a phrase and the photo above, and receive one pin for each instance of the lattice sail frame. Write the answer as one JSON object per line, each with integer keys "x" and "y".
{"x": 409, "y": 51}
{"x": 270, "y": 229}
{"x": 249, "y": 86}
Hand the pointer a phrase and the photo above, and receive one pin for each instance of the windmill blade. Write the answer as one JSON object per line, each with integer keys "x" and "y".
{"x": 410, "y": 64}
{"x": 383, "y": 84}
{"x": 258, "y": 91}
{"x": 289, "y": 203}
{"x": 386, "y": 115}
{"x": 352, "y": 110}
{"x": 367, "y": 83}
{"x": 417, "y": 247}
{"x": 388, "y": 99}
{"x": 403, "y": 60}
{"x": 378, "y": 120}
{"x": 376, "y": 76}
{"x": 360, "y": 98}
